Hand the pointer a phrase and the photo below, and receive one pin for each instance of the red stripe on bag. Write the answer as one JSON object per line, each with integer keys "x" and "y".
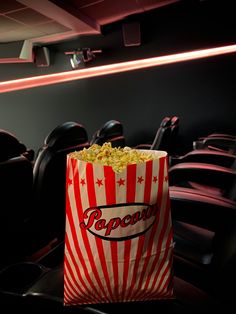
{"x": 161, "y": 293}
{"x": 138, "y": 291}
{"x": 167, "y": 271}
{"x": 154, "y": 265}
{"x": 74, "y": 284}
{"x": 67, "y": 297}
{"x": 68, "y": 292}
{"x": 164, "y": 260}
{"x": 166, "y": 275}
{"x": 157, "y": 257}
{"x": 161, "y": 177}
{"x": 80, "y": 215}
{"x": 147, "y": 194}
{"x": 68, "y": 247}
{"x": 148, "y": 181}
{"x": 169, "y": 280}
{"x": 93, "y": 202}
{"x": 130, "y": 198}
{"x": 73, "y": 230}
{"x": 110, "y": 189}
{"x": 74, "y": 234}
{"x": 71, "y": 294}
{"x": 170, "y": 288}
{"x": 67, "y": 204}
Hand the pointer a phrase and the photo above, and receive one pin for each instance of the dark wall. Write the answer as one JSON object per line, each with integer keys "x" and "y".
{"x": 200, "y": 92}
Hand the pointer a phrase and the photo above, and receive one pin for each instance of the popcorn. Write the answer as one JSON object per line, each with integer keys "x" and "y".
{"x": 117, "y": 198}
{"x": 117, "y": 158}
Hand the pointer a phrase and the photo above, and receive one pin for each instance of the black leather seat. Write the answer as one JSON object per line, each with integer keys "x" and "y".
{"x": 205, "y": 247}
{"x": 12, "y": 147}
{"x": 216, "y": 217}
{"x": 16, "y": 177}
{"x": 222, "y": 135}
{"x": 205, "y": 230}
{"x": 216, "y": 279}
{"x": 49, "y": 177}
{"x": 162, "y": 137}
{"x": 218, "y": 142}
{"x": 111, "y": 131}
{"x": 213, "y": 178}
{"x": 173, "y": 144}
{"x": 213, "y": 157}
{"x": 47, "y": 291}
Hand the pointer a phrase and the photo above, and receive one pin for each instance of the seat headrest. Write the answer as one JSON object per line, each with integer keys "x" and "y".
{"x": 174, "y": 121}
{"x": 10, "y": 146}
{"x": 165, "y": 122}
{"x": 66, "y": 134}
{"x": 111, "y": 128}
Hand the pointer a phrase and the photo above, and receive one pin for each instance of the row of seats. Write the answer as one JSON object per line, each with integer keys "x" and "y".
{"x": 217, "y": 141}
{"x": 205, "y": 235}
{"x": 36, "y": 210}
{"x": 204, "y": 225}
{"x": 165, "y": 138}
{"x": 34, "y": 192}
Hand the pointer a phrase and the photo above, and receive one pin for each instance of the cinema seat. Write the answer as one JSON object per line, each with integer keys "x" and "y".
{"x": 173, "y": 143}
{"x": 166, "y": 135}
{"x": 111, "y": 131}
{"x": 213, "y": 157}
{"x": 218, "y": 142}
{"x": 215, "y": 294}
{"x": 16, "y": 177}
{"x": 204, "y": 225}
{"x": 49, "y": 176}
{"x": 161, "y": 139}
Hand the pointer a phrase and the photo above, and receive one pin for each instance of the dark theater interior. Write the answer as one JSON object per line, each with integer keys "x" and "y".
{"x": 146, "y": 221}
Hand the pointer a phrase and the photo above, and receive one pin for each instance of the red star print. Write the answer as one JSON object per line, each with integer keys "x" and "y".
{"x": 121, "y": 182}
{"x": 166, "y": 178}
{"x": 155, "y": 179}
{"x": 140, "y": 179}
{"x": 99, "y": 182}
{"x": 69, "y": 181}
{"x": 82, "y": 182}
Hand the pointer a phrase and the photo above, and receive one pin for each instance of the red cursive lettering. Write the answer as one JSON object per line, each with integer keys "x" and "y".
{"x": 93, "y": 215}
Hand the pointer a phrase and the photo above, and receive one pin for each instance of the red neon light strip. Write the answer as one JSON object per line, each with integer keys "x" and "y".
{"x": 9, "y": 86}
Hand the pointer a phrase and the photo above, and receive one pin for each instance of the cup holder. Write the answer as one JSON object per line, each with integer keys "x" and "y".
{"x": 18, "y": 277}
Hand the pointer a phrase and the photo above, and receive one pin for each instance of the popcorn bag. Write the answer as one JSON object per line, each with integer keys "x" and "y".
{"x": 118, "y": 243}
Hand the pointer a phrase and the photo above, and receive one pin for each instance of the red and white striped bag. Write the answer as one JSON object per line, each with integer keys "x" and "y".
{"x": 118, "y": 243}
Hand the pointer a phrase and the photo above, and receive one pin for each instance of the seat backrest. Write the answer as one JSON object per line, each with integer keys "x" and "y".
{"x": 50, "y": 176}
{"x": 111, "y": 131}
{"x": 173, "y": 137}
{"x": 162, "y": 137}
{"x": 204, "y": 233}
{"x": 16, "y": 177}
{"x": 10, "y": 145}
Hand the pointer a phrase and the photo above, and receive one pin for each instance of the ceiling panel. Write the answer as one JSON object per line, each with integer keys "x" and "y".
{"x": 9, "y": 5}
{"x": 29, "y": 16}
{"x": 103, "y": 12}
{"x": 52, "y": 27}
{"x": 21, "y": 33}
{"x": 7, "y": 24}
{"x": 84, "y": 3}
{"x": 41, "y": 22}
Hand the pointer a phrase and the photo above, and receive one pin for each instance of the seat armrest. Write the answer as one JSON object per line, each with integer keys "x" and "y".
{"x": 143, "y": 146}
{"x": 202, "y": 173}
{"x": 227, "y": 136}
{"x": 220, "y": 158}
{"x": 220, "y": 142}
{"x": 201, "y": 209}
